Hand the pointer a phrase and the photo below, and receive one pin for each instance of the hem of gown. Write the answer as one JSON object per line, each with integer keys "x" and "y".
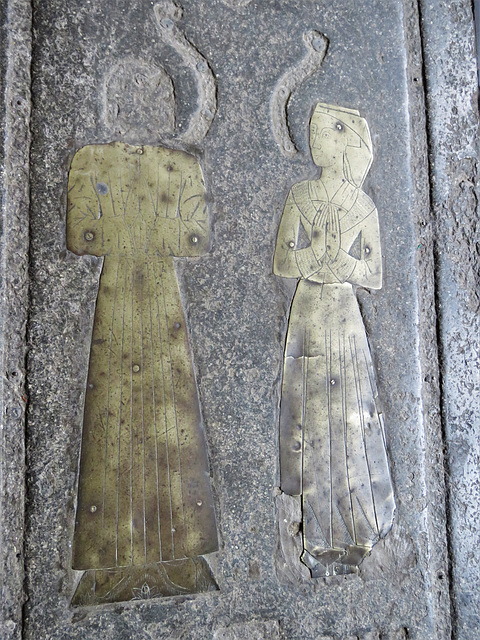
{"x": 335, "y": 561}
{"x": 157, "y": 580}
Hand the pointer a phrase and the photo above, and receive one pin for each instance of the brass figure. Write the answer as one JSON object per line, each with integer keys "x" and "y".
{"x": 145, "y": 514}
{"x": 332, "y": 438}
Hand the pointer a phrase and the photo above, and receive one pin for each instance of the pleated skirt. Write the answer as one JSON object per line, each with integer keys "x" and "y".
{"x": 332, "y": 437}
{"x": 144, "y": 491}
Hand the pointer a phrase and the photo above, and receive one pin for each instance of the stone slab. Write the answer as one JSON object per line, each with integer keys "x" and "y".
{"x": 237, "y": 313}
{"x": 452, "y": 100}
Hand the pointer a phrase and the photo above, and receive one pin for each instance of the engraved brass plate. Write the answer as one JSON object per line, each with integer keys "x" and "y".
{"x": 144, "y": 487}
{"x": 332, "y": 439}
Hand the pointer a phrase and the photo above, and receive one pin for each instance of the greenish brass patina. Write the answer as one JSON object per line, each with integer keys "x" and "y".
{"x": 144, "y": 487}
{"x": 332, "y": 439}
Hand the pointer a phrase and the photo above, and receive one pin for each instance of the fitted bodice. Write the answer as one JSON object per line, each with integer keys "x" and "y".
{"x": 129, "y": 200}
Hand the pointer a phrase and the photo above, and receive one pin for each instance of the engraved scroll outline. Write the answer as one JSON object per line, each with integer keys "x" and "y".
{"x": 317, "y": 45}
{"x": 166, "y": 14}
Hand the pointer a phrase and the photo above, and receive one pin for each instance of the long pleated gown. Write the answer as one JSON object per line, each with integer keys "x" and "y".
{"x": 144, "y": 487}
{"x": 332, "y": 439}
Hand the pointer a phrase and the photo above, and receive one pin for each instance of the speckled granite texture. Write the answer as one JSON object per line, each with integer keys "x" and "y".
{"x": 421, "y": 582}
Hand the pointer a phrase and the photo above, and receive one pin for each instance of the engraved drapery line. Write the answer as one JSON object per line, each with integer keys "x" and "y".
{"x": 153, "y": 329}
{"x": 144, "y": 488}
{"x": 332, "y": 440}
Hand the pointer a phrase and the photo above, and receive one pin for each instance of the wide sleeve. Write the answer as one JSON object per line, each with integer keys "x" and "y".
{"x": 186, "y": 231}
{"x": 84, "y": 223}
{"x": 361, "y": 264}
{"x": 290, "y": 261}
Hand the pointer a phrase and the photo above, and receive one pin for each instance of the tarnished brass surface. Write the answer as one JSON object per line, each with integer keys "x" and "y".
{"x": 144, "y": 486}
{"x": 161, "y": 579}
{"x": 332, "y": 439}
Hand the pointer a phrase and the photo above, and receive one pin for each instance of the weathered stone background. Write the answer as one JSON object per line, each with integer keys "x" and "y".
{"x": 452, "y": 108}
{"x": 410, "y": 69}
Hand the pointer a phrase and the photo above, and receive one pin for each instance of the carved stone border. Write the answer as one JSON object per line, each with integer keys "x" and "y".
{"x": 452, "y": 124}
{"x": 441, "y": 75}
{"x": 437, "y": 551}
{"x": 14, "y": 308}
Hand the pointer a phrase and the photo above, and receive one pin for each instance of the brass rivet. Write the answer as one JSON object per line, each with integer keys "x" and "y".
{"x": 367, "y": 249}
{"x": 199, "y": 503}
{"x": 93, "y": 508}
{"x": 102, "y": 188}
{"x": 135, "y": 368}
{"x": 332, "y": 381}
{"x": 194, "y": 239}
{"x": 177, "y": 325}
{"x": 291, "y": 244}
{"x": 89, "y": 236}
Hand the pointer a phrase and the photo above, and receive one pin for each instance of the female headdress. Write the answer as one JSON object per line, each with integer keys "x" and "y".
{"x": 358, "y": 154}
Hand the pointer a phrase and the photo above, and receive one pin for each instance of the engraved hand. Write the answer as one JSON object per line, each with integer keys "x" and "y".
{"x": 343, "y": 265}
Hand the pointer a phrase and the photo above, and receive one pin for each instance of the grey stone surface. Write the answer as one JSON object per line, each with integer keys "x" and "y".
{"x": 249, "y": 631}
{"x": 3, "y": 71}
{"x": 15, "y": 191}
{"x": 452, "y": 100}
{"x": 237, "y": 310}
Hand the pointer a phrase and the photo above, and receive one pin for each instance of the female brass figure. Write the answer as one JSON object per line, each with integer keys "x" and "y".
{"x": 332, "y": 438}
{"x": 145, "y": 514}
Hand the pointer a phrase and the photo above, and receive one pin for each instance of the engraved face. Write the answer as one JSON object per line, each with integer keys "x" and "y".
{"x": 328, "y": 140}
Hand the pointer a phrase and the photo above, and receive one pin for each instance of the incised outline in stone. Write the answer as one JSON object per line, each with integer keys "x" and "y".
{"x": 317, "y": 45}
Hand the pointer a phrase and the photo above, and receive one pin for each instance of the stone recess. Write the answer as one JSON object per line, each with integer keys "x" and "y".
{"x": 409, "y": 67}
